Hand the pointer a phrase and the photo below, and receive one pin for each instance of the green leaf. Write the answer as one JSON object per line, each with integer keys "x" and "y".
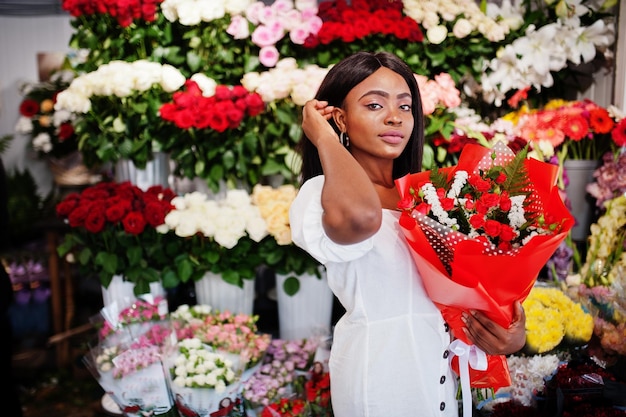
{"x": 291, "y": 286}
{"x": 108, "y": 261}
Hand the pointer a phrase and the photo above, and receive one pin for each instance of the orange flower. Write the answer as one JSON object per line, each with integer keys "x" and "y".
{"x": 576, "y": 127}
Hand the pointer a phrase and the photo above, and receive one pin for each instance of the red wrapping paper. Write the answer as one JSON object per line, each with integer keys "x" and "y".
{"x": 479, "y": 281}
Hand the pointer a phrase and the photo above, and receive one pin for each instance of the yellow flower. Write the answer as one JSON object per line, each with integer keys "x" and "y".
{"x": 274, "y": 206}
{"x": 552, "y": 317}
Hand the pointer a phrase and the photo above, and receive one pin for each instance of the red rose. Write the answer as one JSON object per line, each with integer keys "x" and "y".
{"x": 68, "y": 204}
{"x": 134, "y": 223}
{"x": 492, "y": 228}
{"x": 218, "y": 122}
{"x": 155, "y": 212}
{"x": 447, "y": 203}
{"x": 489, "y": 200}
{"x": 507, "y": 233}
{"x": 116, "y": 212}
{"x": 479, "y": 184}
{"x": 78, "y": 216}
{"x": 406, "y": 203}
{"x": 505, "y": 202}
{"x": 477, "y": 221}
{"x": 255, "y": 104}
{"x": 95, "y": 221}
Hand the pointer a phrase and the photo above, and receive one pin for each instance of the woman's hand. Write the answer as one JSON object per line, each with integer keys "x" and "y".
{"x": 315, "y": 116}
{"x": 492, "y": 338}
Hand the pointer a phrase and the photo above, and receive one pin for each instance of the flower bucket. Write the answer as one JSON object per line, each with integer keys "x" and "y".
{"x": 122, "y": 293}
{"x": 213, "y": 291}
{"x": 70, "y": 171}
{"x": 308, "y": 312}
{"x": 580, "y": 173}
{"x": 156, "y": 172}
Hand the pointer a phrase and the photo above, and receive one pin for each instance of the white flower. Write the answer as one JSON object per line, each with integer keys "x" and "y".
{"x": 24, "y": 125}
{"x": 205, "y": 83}
{"x": 437, "y": 34}
{"x": 462, "y": 28}
{"x": 42, "y": 142}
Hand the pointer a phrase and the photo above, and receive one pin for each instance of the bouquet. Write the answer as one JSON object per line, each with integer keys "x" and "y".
{"x": 131, "y": 372}
{"x": 467, "y": 224}
{"x": 52, "y": 132}
{"x": 201, "y": 379}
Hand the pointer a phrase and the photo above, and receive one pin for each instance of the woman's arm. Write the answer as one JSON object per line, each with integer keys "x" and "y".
{"x": 352, "y": 208}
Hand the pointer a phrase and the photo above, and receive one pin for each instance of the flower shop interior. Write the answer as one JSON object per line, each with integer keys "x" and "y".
{"x": 148, "y": 159}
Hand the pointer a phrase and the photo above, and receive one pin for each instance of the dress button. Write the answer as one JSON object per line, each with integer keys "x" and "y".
{"x": 442, "y": 406}
{"x": 447, "y": 327}
{"x": 442, "y": 379}
{"x": 445, "y": 354}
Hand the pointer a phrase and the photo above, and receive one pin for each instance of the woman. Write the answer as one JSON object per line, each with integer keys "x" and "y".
{"x": 389, "y": 354}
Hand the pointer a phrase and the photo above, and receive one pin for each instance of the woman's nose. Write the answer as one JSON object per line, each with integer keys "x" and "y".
{"x": 393, "y": 118}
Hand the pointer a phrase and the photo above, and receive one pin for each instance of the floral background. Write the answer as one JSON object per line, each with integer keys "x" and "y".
{"x": 484, "y": 60}
{"x": 218, "y": 87}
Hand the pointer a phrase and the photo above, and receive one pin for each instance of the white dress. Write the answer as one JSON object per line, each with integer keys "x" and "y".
{"x": 389, "y": 352}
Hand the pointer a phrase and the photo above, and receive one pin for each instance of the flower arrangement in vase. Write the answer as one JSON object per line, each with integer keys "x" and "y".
{"x": 236, "y": 336}
{"x": 572, "y": 130}
{"x": 52, "y": 132}
{"x": 113, "y": 231}
{"x": 279, "y": 252}
{"x": 221, "y": 235}
{"x": 217, "y": 125}
{"x": 117, "y": 110}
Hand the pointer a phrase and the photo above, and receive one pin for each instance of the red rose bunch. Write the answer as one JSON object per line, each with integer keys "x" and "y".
{"x": 124, "y": 11}
{"x": 493, "y": 205}
{"x": 348, "y": 21}
{"x": 116, "y": 204}
{"x": 113, "y": 231}
{"x": 286, "y": 407}
{"x": 317, "y": 391}
{"x": 226, "y": 109}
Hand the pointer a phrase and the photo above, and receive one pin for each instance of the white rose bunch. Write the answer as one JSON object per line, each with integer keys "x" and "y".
{"x": 196, "y": 366}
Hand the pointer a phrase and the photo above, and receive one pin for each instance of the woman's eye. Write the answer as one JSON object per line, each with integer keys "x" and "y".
{"x": 406, "y": 107}
{"x": 374, "y": 106}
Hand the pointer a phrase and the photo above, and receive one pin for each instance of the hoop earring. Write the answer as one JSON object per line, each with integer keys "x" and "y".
{"x": 344, "y": 139}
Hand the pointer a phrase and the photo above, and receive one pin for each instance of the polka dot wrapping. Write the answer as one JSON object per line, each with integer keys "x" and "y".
{"x": 504, "y": 155}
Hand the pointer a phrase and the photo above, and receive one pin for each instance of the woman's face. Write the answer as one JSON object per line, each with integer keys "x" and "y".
{"x": 377, "y": 116}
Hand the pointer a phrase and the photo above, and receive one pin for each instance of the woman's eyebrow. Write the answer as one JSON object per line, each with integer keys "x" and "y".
{"x": 385, "y": 94}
